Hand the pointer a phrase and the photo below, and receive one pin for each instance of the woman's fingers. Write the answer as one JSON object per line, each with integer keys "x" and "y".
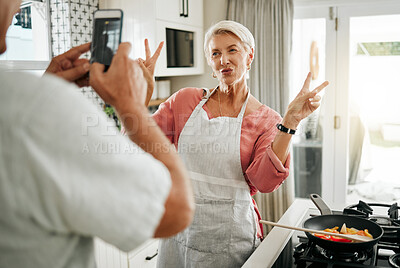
{"x": 306, "y": 84}
{"x": 147, "y": 48}
{"x": 320, "y": 87}
{"x": 158, "y": 51}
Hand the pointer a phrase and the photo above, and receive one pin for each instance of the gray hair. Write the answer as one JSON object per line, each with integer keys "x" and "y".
{"x": 229, "y": 26}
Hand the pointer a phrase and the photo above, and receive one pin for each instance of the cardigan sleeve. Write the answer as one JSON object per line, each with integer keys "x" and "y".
{"x": 266, "y": 172}
{"x": 164, "y": 118}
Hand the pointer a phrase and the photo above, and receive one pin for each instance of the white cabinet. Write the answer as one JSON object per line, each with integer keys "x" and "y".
{"x": 145, "y": 256}
{"x": 188, "y": 12}
{"x": 184, "y": 15}
{"x": 139, "y": 23}
{"x": 108, "y": 256}
{"x": 150, "y": 18}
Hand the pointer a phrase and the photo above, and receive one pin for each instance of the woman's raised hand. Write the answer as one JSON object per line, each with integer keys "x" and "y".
{"x": 304, "y": 104}
{"x": 148, "y": 66}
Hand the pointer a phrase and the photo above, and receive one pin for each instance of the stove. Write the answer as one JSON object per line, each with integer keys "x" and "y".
{"x": 300, "y": 252}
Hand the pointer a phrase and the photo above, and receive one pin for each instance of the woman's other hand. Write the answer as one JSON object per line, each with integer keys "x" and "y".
{"x": 148, "y": 66}
{"x": 123, "y": 84}
{"x": 304, "y": 104}
{"x": 70, "y": 67}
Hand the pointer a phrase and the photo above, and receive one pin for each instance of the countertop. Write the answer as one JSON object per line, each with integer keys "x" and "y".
{"x": 270, "y": 248}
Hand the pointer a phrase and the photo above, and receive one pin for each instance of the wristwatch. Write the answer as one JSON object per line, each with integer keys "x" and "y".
{"x": 285, "y": 129}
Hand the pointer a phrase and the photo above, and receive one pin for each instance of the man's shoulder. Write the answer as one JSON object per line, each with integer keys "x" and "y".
{"x": 26, "y": 97}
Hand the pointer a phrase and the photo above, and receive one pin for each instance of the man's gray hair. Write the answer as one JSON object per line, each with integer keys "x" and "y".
{"x": 228, "y": 26}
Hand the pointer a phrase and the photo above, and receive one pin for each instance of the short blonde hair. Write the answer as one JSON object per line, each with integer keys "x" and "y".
{"x": 229, "y": 26}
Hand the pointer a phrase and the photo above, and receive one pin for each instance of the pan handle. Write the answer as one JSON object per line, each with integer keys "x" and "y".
{"x": 321, "y": 205}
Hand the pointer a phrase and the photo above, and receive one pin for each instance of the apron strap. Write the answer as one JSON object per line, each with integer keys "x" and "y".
{"x": 244, "y": 105}
{"x": 208, "y": 95}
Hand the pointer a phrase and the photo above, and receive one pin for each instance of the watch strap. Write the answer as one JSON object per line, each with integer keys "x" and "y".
{"x": 285, "y": 129}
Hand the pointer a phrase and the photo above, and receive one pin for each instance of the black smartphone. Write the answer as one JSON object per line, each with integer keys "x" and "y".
{"x": 107, "y": 28}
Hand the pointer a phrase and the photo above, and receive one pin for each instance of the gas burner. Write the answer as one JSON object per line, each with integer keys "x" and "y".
{"x": 365, "y": 210}
{"x": 394, "y": 260}
{"x": 352, "y": 257}
{"x": 384, "y": 221}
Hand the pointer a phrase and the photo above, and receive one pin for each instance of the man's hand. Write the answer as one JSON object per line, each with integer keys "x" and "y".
{"x": 123, "y": 83}
{"x": 70, "y": 67}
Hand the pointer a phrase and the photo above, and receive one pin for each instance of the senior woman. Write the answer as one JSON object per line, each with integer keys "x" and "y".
{"x": 232, "y": 148}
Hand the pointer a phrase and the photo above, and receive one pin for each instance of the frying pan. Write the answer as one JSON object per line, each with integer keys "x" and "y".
{"x": 329, "y": 221}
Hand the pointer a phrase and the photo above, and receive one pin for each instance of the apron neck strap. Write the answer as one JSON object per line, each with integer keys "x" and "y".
{"x": 210, "y": 92}
{"x": 244, "y": 105}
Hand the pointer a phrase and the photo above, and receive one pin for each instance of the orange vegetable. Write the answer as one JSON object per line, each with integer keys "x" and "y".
{"x": 343, "y": 230}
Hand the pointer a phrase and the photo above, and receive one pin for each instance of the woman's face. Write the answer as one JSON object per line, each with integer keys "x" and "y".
{"x": 229, "y": 58}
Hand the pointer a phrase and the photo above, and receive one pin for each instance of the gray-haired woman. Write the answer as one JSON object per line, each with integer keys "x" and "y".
{"x": 232, "y": 148}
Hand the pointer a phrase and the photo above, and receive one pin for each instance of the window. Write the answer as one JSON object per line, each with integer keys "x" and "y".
{"x": 28, "y": 46}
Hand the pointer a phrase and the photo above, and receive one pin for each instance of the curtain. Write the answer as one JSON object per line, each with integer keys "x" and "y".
{"x": 271, "y": 22}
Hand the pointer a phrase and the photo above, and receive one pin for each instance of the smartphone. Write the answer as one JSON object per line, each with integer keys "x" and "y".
{"x": 107, "y": 28}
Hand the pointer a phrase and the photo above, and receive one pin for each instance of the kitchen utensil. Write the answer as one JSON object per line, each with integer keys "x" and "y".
{"x": 356, "y": 238}
{"x": 328, "y": 221}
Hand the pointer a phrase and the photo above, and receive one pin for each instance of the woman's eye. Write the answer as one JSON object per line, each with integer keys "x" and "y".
{"x": 232, "y": 50}
{"x": 214, "y": 54}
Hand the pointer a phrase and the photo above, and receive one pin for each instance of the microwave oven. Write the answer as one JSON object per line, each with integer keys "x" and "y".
{"x": 183, "y": 49}
{"x": 179, "y": 46}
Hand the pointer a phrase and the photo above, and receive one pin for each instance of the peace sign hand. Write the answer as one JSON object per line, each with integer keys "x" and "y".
{"x": 148, "y": 66}
{"x": 304, "y": 104}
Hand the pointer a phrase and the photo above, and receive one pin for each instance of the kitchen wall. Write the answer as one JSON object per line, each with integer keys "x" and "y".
{"x": 214, "y": 11}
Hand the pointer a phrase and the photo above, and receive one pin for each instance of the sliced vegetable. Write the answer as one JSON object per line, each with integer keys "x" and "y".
{"x": 343, "y": 230}
{"x": 339, "y": 239}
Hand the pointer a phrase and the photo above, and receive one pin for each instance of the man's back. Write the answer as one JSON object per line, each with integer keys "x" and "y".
{"x": 66, "y": 175}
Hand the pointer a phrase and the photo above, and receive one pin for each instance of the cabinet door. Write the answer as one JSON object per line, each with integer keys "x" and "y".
{"x": 188, "y": 12}
{"x": 138, "y": 23}
{"x": 146, "y": 257}
{"x": 108, "y": 256}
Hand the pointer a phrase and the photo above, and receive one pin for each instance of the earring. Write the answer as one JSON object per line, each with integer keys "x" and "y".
{"x": 248, "y": 67}
{"x": 213, "y": 75}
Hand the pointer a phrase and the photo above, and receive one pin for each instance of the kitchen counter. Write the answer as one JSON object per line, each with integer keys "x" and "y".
{"x": 270, "y": 248}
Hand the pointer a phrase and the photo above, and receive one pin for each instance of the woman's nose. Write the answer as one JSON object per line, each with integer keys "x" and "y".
{"x": 224, "y": 59}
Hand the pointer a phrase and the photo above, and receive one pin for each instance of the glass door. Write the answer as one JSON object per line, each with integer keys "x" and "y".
{"x": 358, "y": 126}
{"x": 367, "y": 100}
{"x": 312, "y": 50}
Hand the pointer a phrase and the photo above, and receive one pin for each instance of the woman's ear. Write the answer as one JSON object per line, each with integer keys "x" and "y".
{"x": 250, "y": 57}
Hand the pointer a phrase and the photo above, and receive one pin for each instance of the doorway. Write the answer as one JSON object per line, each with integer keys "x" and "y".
{"x": 359, "y": 119}
{"x": 374, "y": 110}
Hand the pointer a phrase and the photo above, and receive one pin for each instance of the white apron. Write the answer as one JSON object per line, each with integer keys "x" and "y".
{"x": 223, "y": 232}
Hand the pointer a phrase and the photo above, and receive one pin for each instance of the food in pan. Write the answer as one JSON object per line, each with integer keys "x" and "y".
{"x": 343, "y": 230}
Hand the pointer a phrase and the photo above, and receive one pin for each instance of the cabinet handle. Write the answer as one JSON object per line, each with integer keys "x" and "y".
{"x": 187, "y": 9}
{"x": 151, "y": 257}
{"x": 182, "y": 9}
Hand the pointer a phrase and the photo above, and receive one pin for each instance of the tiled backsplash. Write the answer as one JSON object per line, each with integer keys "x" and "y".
{"x": 71, "y": 25}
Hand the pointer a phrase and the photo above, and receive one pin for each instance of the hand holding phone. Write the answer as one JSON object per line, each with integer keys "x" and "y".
{"x": 107, "y": 28}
